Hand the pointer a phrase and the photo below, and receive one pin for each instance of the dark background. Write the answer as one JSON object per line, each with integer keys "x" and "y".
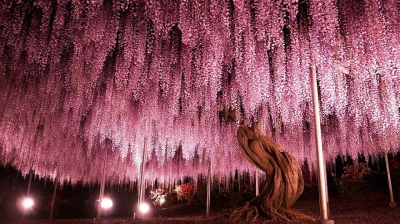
{"x": 80, "y": 200}
{"x": 72, "y": 201}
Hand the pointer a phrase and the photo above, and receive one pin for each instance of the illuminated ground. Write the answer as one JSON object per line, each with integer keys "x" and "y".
{"x": 76, "y": 204}
{"x": 371, "y": 207}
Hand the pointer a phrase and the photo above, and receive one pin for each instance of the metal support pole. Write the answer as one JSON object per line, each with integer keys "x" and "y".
{"x": 239, "y": 180}
{"x": 53, "y": 199}
{"x": 103, "y": 180}
{"x": 29, "y": 183}
{"x": 208, "y": 189}
{"x": 29, "y": 188}
{"x": 322, "y": 189}
{"x": 169, "y": 186}
{"x": 142, "y": 182}
{"x": 257, "y": 182}
{"x": 392, "y": 203}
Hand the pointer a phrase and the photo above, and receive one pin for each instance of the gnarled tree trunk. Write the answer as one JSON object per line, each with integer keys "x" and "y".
{"x": 284, "y": 182}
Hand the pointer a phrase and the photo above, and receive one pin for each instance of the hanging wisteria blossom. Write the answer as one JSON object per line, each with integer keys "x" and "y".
{"x": 83, "y": 82}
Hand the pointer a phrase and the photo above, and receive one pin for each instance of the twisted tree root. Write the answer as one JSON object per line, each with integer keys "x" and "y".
{"x": 284, "y": 182}
{"x": 282, "y": 214}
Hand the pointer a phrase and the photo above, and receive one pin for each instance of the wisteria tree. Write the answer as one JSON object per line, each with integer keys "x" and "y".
{"x": 83, "y": 79}
{"x": 284, "y": 175}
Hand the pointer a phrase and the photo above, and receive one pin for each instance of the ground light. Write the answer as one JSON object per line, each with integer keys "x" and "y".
{"x": 27, "y": 203}
{"x": 106, "y": 203}
{"x": 104, "y": 207}
{"x": 144, "y": 208}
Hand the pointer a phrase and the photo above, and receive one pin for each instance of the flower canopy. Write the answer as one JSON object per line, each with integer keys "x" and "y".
{"x": 83, "y": 82}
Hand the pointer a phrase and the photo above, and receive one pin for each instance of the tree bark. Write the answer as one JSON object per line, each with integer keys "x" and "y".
{"x": 284, "y": 182}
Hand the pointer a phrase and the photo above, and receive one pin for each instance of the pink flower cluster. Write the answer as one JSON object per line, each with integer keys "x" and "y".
{"x": 83, "y": 82}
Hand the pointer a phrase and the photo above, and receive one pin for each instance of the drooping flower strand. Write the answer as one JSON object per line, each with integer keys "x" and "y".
{"x": 79, "y": 76}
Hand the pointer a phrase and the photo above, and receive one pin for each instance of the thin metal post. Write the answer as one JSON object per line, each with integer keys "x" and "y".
{"x": 239, "y": 180}
{"x": 103, "y": 180}
{"x": 29, "y": 188}
{"x": 53, "y": 199}
{"x": 29, "y": 183}
{"x": 142, "y": 182}
{"x": 169, "y": 186}
{"x": 322, "y": 189}
{"x": 257, "y": 182}
{"x": 392, "y": 203}
{"x": 208, "y": 189}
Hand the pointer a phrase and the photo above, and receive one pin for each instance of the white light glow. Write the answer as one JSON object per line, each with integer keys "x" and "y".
{"x": 27, "y": 203}
{"x": 106, "y": 203}
{"x": 144, "y": 208}
{"x": 162, "y": 201}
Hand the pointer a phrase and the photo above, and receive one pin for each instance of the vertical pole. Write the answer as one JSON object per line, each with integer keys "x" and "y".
{"x": 323, "y": 194}
{"x": 229, "y": 182}
{"x": 220, "y": 181}
{"x": 29, "y": 188}
{"x": 53, "y": 199}
{"x": 257, "y": 182}
{"x": 29, "y": 183}
{"x": 392, "y": 203}
{"x": 142, "y": 183}
{"x": 208, "y": 189}
{"x": 239, "y": 180}
{"x": 103, "y": 180}
{"x": 138, "y": 202}
{"x": 169, "y": 186}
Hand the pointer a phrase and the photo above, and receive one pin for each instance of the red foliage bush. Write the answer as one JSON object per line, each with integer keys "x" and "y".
{"x": 186, "y": 192}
